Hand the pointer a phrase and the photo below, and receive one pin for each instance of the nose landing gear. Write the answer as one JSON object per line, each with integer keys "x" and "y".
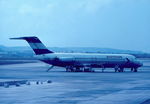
{"x": 134, "y": 69}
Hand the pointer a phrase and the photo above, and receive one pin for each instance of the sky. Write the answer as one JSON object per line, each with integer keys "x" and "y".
{"x": 119, "y": 24}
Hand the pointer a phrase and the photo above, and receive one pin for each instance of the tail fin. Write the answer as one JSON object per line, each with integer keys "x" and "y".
{"x": 37, "y": 46}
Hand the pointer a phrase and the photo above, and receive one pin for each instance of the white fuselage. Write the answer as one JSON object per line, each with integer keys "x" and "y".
{"x": 90, "y": 60}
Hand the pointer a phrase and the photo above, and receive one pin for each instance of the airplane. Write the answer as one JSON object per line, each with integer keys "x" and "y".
{"x": 81, "y": 62}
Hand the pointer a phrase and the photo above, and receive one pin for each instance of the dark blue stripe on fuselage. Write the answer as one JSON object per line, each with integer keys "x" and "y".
{"x": 92, "y": 64}
{"x": 42, "y": 51}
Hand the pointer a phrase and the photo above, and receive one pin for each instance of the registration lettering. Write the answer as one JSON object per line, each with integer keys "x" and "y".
{"x": 114, "y": 57}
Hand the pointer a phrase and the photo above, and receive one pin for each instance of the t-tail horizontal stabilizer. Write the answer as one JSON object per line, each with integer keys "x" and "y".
{"x": 37, "y": 46}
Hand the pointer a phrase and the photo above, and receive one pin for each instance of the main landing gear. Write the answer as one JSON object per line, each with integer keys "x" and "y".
{"x": 79, "y": 69}
{"x": 119, "y": 69}
{"x": 103, "y": 68}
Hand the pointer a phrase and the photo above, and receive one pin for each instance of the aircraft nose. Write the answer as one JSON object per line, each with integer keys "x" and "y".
{"x": 138, "y": 63}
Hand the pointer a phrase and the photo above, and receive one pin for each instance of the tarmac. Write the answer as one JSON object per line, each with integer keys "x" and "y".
{"x": 74, "y": 87}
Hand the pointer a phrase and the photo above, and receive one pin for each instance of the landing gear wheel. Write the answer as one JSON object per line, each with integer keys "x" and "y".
{"x": 121, "y": 69}
{"x": 117, "y": 68}
{"x": 135, "y": 70}
{"x": 88, "y": 70}
{"x": 78, "y": 69}
{"x": 103, "y": 68}
{"x": 67, "y": 70}
{"x": 132, "y": 69}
